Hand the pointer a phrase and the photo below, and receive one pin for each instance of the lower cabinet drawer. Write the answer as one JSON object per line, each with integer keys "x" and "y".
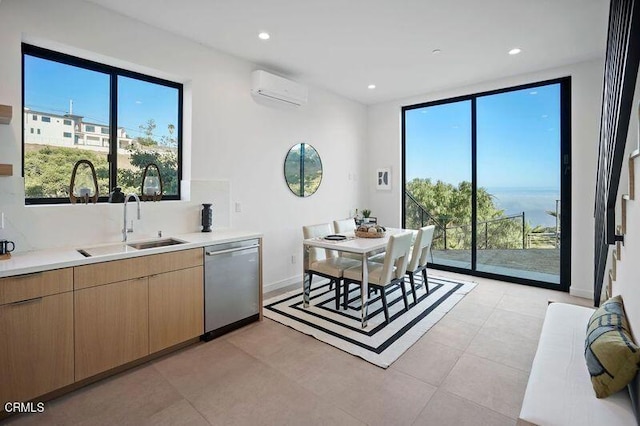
{"x": 111, "y": 326}
{"x": 36, "y": 353}
{"x": 38, "y": 284}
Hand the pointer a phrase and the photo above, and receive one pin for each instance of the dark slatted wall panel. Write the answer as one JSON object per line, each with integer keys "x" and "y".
{"x": 620, "y": 73}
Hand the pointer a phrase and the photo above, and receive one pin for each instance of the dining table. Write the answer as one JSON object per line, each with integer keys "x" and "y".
{"x": 365, "y": 247}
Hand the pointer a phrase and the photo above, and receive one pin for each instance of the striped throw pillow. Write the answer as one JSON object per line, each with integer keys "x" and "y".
{"x": 612, "y": 356}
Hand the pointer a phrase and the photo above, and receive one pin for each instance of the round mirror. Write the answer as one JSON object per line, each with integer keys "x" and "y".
{"x": 303, "y": 170}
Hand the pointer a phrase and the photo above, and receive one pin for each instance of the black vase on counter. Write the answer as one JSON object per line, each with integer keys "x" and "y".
{"x": 117, "y": 196}
{"x": 207, "y": 217}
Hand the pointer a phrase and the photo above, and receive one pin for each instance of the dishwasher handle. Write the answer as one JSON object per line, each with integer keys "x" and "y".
{"x": 231, "y": 250}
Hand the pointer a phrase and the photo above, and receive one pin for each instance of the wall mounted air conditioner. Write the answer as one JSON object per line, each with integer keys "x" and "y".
{"x": 271, "y": 87}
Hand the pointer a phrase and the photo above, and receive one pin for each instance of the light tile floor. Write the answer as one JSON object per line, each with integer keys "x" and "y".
{"x": 470, "y": 369}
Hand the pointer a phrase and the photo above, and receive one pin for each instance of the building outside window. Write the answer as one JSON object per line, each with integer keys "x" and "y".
{"x": 35, "y": 117}
{"x": 148, "y": 127}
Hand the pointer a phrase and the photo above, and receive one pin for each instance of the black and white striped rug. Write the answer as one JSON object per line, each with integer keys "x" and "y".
{"x": 379, "y": 343}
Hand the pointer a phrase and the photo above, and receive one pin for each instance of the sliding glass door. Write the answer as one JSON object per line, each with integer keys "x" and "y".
{"x": 518, "y": 164}
{"x": 438, "y": 178}
{"x": 491, "y": 171}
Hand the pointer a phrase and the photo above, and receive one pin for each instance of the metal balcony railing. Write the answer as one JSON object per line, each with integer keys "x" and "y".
{"x": 492, "y": 233}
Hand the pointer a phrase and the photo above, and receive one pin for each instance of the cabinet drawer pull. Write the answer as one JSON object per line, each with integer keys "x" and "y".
{"x": 34, "y": 274}
{"x": 232, "y": 250}
{"x": 24, "y": 302}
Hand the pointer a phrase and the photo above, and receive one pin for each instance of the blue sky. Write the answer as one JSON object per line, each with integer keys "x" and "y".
{"x": 50, "y": 85}
{"x": 518, "y": 140}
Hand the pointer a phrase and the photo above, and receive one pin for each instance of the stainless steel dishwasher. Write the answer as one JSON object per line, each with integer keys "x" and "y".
{"x": 231, "y": 286}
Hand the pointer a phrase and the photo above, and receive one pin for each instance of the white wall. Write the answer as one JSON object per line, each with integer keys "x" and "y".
{"x": 626, "y": 282}
{"x": 234, "y": 149}
{"x": 384, "y": 148}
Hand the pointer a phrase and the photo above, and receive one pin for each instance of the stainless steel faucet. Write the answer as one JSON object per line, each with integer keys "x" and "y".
{"x": 126, "y": 230}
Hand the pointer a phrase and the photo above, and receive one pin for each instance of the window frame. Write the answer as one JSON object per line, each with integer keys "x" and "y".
{"x": 113, "y": 73}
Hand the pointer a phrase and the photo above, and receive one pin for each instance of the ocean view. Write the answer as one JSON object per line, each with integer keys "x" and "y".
{"x": 533, "y": 201}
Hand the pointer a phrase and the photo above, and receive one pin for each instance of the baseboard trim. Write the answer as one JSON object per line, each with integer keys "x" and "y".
{"x": 283, "y": 283}
{"x": 288, "y": 282}
{"x": 581, "y": 293}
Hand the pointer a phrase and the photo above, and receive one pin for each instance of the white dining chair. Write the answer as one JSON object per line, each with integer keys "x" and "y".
{"x": 326, "y": 263}
{"x": 383, "y": 275}
{"x": 418, "y": 261}
{"x": 346, "y": 226}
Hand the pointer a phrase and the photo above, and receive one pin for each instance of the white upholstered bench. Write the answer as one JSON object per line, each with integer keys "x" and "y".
{"x": 559, "y": 390}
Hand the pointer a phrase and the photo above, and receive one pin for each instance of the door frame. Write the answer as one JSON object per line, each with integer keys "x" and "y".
{"x": 565, "y": 181}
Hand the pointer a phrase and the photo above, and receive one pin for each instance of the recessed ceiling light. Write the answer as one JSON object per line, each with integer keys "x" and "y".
{"x": 371, "y": 86}
{"x": 436, "y": 51}
{"x": 264, "y": 36}
{"x": 515, "y": 51}
{"x": 533, "y": 92}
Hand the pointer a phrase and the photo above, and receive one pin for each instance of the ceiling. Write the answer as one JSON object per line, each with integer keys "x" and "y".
{"x": 345, "y": 45}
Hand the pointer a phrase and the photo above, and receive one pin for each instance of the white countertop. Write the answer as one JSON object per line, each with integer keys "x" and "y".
{"x": 41, "y": 260}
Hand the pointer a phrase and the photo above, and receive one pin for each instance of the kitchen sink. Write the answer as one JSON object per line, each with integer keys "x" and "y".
{"x": 105, "y": 250}
{"x": 127, "y": 248}
{"x": 155, "y": 244}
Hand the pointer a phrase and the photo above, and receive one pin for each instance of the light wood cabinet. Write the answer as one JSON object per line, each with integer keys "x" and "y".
{"x": 111, "y": 326}
{"x": 62, "y": 326}
{"x": 29, "y": 286}
{"x": 165, "y": 262}
{"x": 110, "y": 272}
{"x": 122, "y": 314}
{"x": 176, "y": 301}
{"x": 127, "y": 269}
{"x": 36, "y": 331}
{"x": 36, "y": 353}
